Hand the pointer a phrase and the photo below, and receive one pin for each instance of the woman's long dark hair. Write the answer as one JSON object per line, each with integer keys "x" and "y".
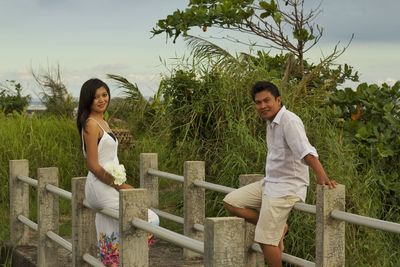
{"x": 88, "y": 92}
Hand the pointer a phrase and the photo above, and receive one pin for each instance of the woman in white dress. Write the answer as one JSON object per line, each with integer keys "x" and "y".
{"x": 100, "y": 147}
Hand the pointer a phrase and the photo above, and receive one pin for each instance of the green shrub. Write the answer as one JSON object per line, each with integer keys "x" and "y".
{"x": 11, "y": 99}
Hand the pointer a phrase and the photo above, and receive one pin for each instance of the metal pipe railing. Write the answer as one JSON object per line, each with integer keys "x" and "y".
{"x": 177, "y": 219}
{"x": 27, "y": 222}
{"x": 59, "y": 192}
{"x": 305, "y": 208}
{"x": 287, "y": 257}
{"x": 297, "y": 261}
{"x": 168, "y": 216}
{"x": 106, "y": 211}
{"x": 214, "y": 187}
{"x": 28, "y": 180}
{"x": 167, "y": 175}
{"x": 198, "y": 227}
{"x": 59, "y": 240}
{"x": 336, "y": 214}
{"x": 170, "y": 236}
{"x": 92, "y": 260}
{"x": 366, "y": 221}
{"x": 184, "y": 241}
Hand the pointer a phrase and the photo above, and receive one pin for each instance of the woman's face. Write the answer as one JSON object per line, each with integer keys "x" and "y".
{"x": 100, "y": 101}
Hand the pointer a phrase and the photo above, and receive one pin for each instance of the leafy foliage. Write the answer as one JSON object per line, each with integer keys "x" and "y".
{"x": 134, "y": 111}
{"x": 211, "y": 117}
{"x": 284, "y": 24}
{"x": 131, "y": 90}
{"x": 203, "y": 111}
{"x": 11, "y": 99}
{"x": 371, "y": 118}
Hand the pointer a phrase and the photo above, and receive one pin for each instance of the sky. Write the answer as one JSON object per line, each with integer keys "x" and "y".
{"x": 92, "y": 38}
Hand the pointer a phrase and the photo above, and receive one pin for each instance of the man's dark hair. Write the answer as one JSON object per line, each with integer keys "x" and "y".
{"x": 264, "y": 86}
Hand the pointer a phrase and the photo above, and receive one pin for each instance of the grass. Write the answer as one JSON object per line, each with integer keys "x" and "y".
{"x": 45, "y": 142}
{"x": 238, "y": 148}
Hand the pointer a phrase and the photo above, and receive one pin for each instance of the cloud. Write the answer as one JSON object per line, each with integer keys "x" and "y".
{"x": 52, "y": 3}
{"x": 109, "y": 67}
{"x": 368, "y": 20}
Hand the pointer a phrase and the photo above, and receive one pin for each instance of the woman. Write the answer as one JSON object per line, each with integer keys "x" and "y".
{"x": 100, "y": 146}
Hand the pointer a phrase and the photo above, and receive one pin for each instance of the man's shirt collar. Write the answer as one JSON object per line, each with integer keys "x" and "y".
{"x": 278, "y": 116}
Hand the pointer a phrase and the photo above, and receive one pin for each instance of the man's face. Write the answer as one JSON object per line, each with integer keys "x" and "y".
{"x": 267, "y": 105}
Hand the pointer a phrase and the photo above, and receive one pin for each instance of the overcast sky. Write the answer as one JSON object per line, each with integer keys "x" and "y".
{"x": 90, "y": 38}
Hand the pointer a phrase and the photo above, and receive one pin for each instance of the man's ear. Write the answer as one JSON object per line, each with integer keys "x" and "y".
{"x": 278, "y": 98}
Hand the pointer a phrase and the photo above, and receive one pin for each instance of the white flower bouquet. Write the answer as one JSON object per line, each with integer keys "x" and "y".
{"x": 117, "y": 171}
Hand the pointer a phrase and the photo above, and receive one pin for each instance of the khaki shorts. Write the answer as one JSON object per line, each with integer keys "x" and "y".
{"x": 246, "y": 197}
{"x": 273, "y": 211}
{"x": 273, "y": 216}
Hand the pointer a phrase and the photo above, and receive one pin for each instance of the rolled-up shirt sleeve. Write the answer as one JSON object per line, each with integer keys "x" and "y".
{"x": 297, "y": 140}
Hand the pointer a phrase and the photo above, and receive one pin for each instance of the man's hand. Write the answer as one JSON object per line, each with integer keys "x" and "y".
{"x": 322, "y": 178}
{"x": 326, "y": 181}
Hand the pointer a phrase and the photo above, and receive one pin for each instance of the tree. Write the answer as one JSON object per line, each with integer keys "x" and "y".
{"x": 11, "y": 98}
{"x": 55, "y": 95}
{"x": 284, "y": 24}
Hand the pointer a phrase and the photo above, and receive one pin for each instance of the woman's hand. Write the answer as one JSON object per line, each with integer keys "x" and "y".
{"x": 123, "y": 186}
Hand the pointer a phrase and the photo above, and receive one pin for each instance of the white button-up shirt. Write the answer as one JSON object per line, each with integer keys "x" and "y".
{"x": 287, "y": 142}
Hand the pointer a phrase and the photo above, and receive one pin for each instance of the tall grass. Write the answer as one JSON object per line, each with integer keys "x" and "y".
{"x": 215, "y": 121}
{"x": 55, "y": 142}
{"x": 44, "y": 142}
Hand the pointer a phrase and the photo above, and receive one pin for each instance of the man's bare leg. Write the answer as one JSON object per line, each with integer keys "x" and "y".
{"x": 272, "y": 255}
{"x": 249, "y": 215}
{"x": 281, "y": 244}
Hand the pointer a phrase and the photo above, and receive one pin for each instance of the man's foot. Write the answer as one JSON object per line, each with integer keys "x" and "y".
{"x": 281, "y": 245}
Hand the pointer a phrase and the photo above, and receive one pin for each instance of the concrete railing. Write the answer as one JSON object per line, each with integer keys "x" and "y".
{"x": 47, "y": 226}
{"x": 222, "y": 247}
{"x": 329, "y": 210}
{"x": 224, "y": 241}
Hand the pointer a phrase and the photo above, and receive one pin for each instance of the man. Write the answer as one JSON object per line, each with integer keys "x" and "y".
{"x": 267, "y": 203}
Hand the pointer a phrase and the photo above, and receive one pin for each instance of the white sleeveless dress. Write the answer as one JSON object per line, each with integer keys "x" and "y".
{"x": 99, "y": 196}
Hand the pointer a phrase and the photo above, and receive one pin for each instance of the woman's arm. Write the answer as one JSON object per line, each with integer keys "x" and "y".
{"x": 91, "y": 136}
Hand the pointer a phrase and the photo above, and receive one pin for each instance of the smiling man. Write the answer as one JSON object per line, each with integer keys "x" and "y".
{"x": 267, "y": 203}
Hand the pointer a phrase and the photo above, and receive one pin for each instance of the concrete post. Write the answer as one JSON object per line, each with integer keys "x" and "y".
{"x": 223, "y": 242}
{"x": 194, "y": 203}
{"x": 134, "y": 249}
{"x": 149, "y": 182}
{"x": 19, "y": 202}
{"x": 252, "y": 258}
{"x": 84, "y": 238}
{"x": 48, "y": 216}
{"x": 330, "y": 233}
